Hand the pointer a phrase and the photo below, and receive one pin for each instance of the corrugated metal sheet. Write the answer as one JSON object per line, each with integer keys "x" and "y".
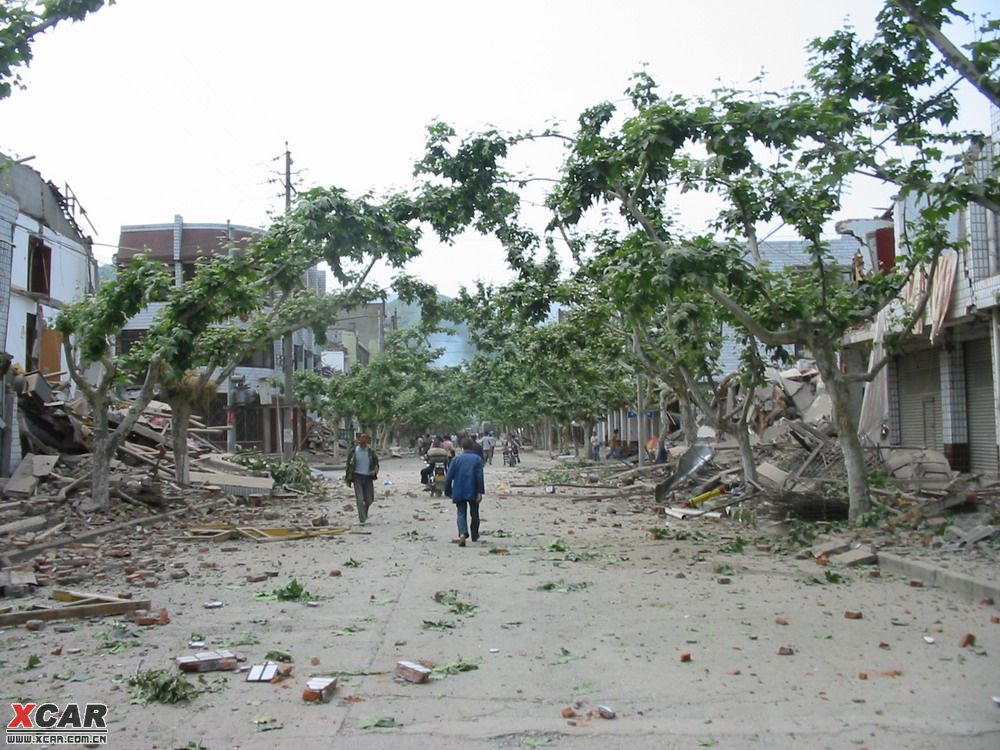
{"x": 979, "y": 376}
{"x": 920, "y": 400}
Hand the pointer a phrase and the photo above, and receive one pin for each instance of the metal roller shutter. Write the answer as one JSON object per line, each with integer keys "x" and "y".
{"x": 979, "y": 376}
{"x": 920, "y": 400}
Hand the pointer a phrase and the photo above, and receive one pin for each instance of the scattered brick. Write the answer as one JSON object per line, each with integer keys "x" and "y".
{"x": 734, "y": 672}
{"x": 336, "y": 573}
{"x": 56, "y": 651}
{"x": 916, "y": 583}
{"x": 685, "y": 656}
{"x": 862, "y": 675}
{"x": 967, "y": 640}
{"x": 680, "y": 575}
{"x": 883, "y": 644}
{"x": 874, "y": 573}
{"x": 568, "y": 713}
{"x": 786, "y": 651}
{"x": 781, "y": 620}
{"x": 178, "y": 575}
{"x": 257, "y": 578}
{"x": 152, "y": 583}
{"x": 995, "y": 619}
{"x": 853, "y": 614}
{"x": 412, "y": 672}
{"x": 987, "y": 602}
{"x": 35, "y": 625}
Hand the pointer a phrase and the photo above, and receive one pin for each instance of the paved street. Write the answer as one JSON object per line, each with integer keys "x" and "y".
{"x": 575, "y": 606}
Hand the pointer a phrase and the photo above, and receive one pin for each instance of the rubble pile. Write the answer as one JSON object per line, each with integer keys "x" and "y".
{"x": 53, "y": 533}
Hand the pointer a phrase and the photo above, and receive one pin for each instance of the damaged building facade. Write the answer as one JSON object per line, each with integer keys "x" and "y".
{"x": 46, "y": 261}
{"x": 248, "y": 402}
{"x": 942, "y": 390}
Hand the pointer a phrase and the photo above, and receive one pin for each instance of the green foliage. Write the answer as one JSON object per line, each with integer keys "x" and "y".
{"x": 455, "y": 606}
{"x": 293, "y": 591}
{"x": 562, "y": 587}
{"x": 22, "y": 21}
{"x": 282, "y": 656}
{"x": 160, "y": 686}
{"x": 33, "y": 661}
{"x": 736, "y": 545}
{"x": 440, "y": 625}
{"x": 294, "y": 472}
{"x": 801, "y": 533}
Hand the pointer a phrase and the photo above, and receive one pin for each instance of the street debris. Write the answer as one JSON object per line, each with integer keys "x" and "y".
{"x": 221, "y": 660}
{"x": 412, "y": 671}
{"x": 319, "y": 689}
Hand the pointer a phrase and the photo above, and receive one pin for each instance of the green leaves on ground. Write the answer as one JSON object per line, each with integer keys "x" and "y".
{"x": 441, "y": 625}
{"x": 450, "y": 599}
{"x": 293, "y": 591}
{"x": 160, "y": 686}
{"x": 454, "y": 667}
{"x": 565, "y": 657}
{"x": 348, "y": 630}
{"x": 281, "y": 656}
{"x": 376, "y": 722}
{"x": 557, "y": 545}
{"x": 352, "y": 563}
{"x": 562, "y": 587}
{"x": 33, "y": 661}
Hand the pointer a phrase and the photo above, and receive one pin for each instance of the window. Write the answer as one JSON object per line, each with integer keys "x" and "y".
{"x": 39, "y": 266}
{"x": 263, "y": 357}
{"x": 31, "y": 350}
{"x": 128, "y": 339}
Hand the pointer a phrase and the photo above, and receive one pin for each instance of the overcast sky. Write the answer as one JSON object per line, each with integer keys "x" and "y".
{"x": 151, "y": 108}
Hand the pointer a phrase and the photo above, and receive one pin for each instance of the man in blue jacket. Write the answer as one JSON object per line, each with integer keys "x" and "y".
{"x": 464, "y": 485}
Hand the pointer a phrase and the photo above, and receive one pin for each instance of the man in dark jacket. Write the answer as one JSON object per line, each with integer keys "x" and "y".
{"x": 362, "y": 471}
{"x": 464, "y": 485}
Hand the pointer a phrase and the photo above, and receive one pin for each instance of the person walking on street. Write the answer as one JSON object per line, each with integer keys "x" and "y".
{"x": 464, "y": 485}
{"x": 489, "y": 444}
{"x": 362, "y": 471}
{"x": 595, "y": 446}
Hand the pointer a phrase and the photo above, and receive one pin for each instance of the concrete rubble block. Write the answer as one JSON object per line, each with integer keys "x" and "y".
{"x": 412, "y": 672}
{"x": 819, "y": 410}
{"x": 830, "y": 547}
{"x": 772, "y": 473}
{"x": 863, "y": 555}
{"x": 208, "y": 661}
{"x": 917, "y": 463}
{"x": 31, "y": 523}
{"x": 319, "y": 689}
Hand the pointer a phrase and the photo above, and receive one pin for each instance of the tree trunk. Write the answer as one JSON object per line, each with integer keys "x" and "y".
{"x": 101, "y": 446}
{"x": 847, "y": 431}
{"x": 181, "y": 409}
{"x": 742, "y": 434}
{"x": 689, "y": 425}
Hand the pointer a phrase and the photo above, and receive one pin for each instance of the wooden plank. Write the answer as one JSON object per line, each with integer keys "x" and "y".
{"x": 42, "y": 466}
{"x": 103, "y": 609}
{"x": 68, "y": 595}
{"x": 23, "y": 481}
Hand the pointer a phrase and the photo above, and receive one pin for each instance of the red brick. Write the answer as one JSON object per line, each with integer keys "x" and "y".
{"x": 853, "y": 614}
{"x": 967, "y": 640}
{"x": 686, "y": 656}
{"x": 568, "y": 713}
{"x": 781, "y": 620}
{"x": 786, "y": 651}
{"x": 412, "y": 672}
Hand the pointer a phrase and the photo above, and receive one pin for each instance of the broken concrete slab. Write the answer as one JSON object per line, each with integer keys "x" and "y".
{"x": 23, "y": 481}
{"x": 831, "y": 547}
{"x": 31, "y": 523}
{"x": 772, "y": 473}
{"x": 863, "y": 555}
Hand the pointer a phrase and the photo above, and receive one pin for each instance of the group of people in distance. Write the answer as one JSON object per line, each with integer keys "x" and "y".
{"x": 463, "y": 482}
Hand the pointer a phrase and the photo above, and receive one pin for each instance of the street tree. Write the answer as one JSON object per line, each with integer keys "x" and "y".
{"x": 23, "y": 20}
{"x": 234, "y": 304}
{"x": 767, "y": 157}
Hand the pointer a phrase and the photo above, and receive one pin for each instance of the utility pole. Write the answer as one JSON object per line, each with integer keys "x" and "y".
{"x": 287, "y": 349}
